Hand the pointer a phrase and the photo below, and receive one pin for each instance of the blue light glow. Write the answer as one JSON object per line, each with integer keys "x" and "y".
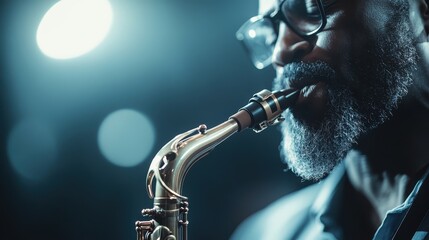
{"x": 32, "y": 149}
{"x": 126, "y": 137}
{"x": 71, "y": 28}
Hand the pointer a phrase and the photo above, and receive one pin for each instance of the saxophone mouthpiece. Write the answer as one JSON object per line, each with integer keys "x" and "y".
{"x": 287, "y": 97}
{"x": 265, "y": 108}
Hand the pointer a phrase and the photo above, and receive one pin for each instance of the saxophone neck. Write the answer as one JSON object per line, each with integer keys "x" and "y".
{"x": 173, "y": 161}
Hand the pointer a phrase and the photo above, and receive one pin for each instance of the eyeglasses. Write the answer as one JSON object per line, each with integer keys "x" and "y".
{"x": 259, "y": 34}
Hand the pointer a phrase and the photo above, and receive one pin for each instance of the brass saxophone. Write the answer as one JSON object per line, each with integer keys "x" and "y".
{"x": 171, "y": 164}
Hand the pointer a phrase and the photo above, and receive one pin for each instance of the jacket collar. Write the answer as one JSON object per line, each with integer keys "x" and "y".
{"x": 325, "y": 210}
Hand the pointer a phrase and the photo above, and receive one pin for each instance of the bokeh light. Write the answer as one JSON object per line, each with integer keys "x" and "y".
{"x": 71, "y": 28}
{"x": 126, "y": 137}
{"x": 179, "y": 64}
{"x": 32, "y": 149}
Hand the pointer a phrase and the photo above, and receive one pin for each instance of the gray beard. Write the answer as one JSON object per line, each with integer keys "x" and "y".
{"x": 313, "y": 151}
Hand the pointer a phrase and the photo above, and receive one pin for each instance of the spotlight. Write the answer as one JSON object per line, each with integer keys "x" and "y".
{"x": 72, "y": 28}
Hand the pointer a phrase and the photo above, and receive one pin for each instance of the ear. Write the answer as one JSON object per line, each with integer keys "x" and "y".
{"x": 424, "y": 13}
{"x": 419, "y": 18}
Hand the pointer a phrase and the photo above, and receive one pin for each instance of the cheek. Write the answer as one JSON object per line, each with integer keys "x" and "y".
{"x": 336, "y": 47}
{"x": 345, "y": 42}
{"x": 372, "y": 18}
{"x": 337, "y": 42}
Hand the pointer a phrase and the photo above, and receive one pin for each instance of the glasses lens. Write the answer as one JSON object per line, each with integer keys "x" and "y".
{"x": 258, "y": 37}
{"x": 303, "y": 15}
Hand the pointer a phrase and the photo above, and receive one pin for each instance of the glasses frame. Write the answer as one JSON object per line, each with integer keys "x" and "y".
{"x": 274, "y": 18}
{"x": 278, "y": 15}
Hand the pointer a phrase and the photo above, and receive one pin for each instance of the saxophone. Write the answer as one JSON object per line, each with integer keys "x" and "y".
{"x": 171, "y": 164}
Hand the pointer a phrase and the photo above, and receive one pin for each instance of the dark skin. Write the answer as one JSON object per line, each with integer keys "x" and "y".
{"x": 402, "y": 141}
{"x": 405, "y": 135}
{"x": 398, "y": 147}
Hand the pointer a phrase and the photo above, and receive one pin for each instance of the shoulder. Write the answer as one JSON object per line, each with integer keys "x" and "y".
{"x": 288, "y": 212}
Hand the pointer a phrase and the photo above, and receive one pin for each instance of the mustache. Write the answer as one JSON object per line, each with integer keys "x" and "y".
{"x": 301, "y": 73}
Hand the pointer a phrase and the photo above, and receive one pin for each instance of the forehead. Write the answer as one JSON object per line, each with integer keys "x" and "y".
{"x": 266, "y": 5}
{"x": 368, "y": 8}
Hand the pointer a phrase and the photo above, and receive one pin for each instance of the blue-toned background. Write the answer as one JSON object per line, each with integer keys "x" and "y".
{"x": 175, "y": 64}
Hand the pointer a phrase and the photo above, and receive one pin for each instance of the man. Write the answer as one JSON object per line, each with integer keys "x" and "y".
{"x": 361, "y": 123}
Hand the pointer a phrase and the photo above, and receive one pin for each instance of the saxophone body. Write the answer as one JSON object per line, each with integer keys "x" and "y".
{"x": 169, "y": 215}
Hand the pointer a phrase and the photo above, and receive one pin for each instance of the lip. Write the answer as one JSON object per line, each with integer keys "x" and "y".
{"x": 301, "y": 83}
{"x": 311, "y": 105}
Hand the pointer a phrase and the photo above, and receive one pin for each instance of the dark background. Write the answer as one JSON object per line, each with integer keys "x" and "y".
{"x": 176, "y": 61}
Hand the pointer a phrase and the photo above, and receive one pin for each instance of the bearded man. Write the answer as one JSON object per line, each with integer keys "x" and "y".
{"x": 361, "y": 122}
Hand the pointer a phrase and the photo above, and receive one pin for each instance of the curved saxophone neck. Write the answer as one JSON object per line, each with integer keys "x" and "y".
{"x": 173, "y": 161}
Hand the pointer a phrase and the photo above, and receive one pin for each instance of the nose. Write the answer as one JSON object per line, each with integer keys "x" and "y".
{"x": 290, "y": 47}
